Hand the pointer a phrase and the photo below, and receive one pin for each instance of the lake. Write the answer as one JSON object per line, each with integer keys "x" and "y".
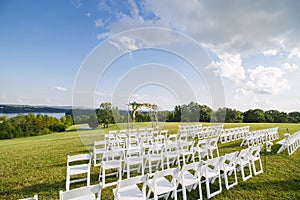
{"x": 56, "y": 115}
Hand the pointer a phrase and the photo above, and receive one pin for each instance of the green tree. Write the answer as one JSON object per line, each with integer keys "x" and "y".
{"x": 294, "y": 117}
{"x": 205, "y": 113}
{"x": 256, "y": 115}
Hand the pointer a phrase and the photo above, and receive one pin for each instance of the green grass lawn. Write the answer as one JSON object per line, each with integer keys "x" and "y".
{"x": 37, "y": 165}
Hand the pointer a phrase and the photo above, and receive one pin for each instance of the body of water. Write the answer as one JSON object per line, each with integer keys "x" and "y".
{"x": 56, "y": 115}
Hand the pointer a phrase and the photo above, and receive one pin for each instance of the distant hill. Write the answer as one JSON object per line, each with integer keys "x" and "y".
{"x": 33, "y": 109}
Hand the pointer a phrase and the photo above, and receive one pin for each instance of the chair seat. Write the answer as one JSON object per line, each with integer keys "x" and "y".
{"x": 227, "y": 167}
{"x": 189, "y": 179}
{"x": 186, "y": 152}
{"x": 162, "y": 186}
{"x": 154, "y": 157}
{"x": 131, "y": 192}
{"x": 171, "y": 155}
{"x": 210, "y": 173}
{"x": 244, "y": 162}
{"x": 78, "y": 169}
{"x": 134, "y": 160}
{"x": 111, "y": 164}
{"x": 84, "y": 197}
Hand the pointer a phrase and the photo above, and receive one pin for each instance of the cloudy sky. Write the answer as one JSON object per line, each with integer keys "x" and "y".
{"x": 87, "y": 52}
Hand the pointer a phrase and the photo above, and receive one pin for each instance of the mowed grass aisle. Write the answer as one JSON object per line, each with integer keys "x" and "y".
{"x": 37, "y": 165}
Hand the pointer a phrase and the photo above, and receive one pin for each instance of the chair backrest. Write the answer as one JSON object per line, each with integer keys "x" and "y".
{"x": 230, "y": 158}
{"x": 166, "y": 172}
{"x": 213, "y": 164}
{"x": 164, "y": 132}
{"x": 244, "y": 154}
{"x": 213, "y": 141}
{"x": 132, "y": 181}
{"x": 99, "y": 148}
{"x": 87, "y": 193}
{"x": 171, "y": 148}
{"x": 134, "y": 151}
{"x": 187, "y": 145}
{"x": 255, "y": 151}
{"x": 195, "y": 167}
{"x": 202, "y": 143}
{"x": 116, "y": 154}
{"x": 79, "y": 157}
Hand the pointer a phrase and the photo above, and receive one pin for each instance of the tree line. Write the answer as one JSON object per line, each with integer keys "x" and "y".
{"x": 193, "y": 112}
{"x": 32, "y": 125}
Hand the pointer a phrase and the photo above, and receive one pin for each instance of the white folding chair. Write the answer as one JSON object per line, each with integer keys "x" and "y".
{"x": 201, "y": 150}
{"x": 172, "y": 139}
{"x": 110, "y": 138}
{"x": 133, "y": 139}
{"x": 112, "y": 159}
{"x": 99, "y": 148}
{"x": 228, "y": 166}
{"x": 164, "y": 133}
{"x": 134, "y": 157}
{"x": 210, "y": 171}
{"x": 187, "y": 152}
{"x": 189, "y": 178}
{"x": 128, "y": 190}
{"x": 161, "y": 186}
{"x": 171, "y": 155}
{"x": 243, "y": 161}
{"x": 75, "y": 169}
{"x": 92, "y": 192}
{"x": 154, "y": 156}
{"x": 255, "y": 156}
{"x": 212, "y": 146}
{"x": 35, "y": 197}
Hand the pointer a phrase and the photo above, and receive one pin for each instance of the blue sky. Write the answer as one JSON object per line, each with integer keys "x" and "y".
{"x": 253, "y": 50}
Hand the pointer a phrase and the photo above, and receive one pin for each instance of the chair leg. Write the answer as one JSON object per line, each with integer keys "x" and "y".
{"x": 254, "y": 168}
{"x": 184, "y": 193}
{"x": 200, "y": 191}
{"x": 207, "y": 188}
{"x": 128, "y": 170}
{"x": 103, "y": 178}
{"x": 243, "y": 172}
{"x": 68, "y": 182}
{"x": 88, "y": 179}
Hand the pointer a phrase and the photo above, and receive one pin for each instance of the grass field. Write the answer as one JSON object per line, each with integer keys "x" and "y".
{"x": 37, "y": 165}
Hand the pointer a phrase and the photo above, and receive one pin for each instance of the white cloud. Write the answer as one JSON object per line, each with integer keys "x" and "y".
{"x": 99, "y": 23}
{"x": 289, "y": 67}
{"x": 294, "y": 52}
{"x": 270, "y": 52}
{"x": 124, "y": 43}
{"x": 60, "y": 88}
{"x": 88, "y": 14}
{"x": 267, "y": 80}
{"x": 230, "y": 66}
{"x": 234, "y": 31}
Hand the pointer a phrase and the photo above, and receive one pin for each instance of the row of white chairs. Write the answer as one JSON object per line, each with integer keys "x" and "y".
{"x": 159, "y": 185}
{"x": 209, "y": 131}
{"x": 118, "y": 161}
{"x": 139, "y": 158}
{"x": 260, "y": 136}
{"x": 290, "y": 142}
{"x": 133, "y": 137}
{"x": 232, "y": 134}
{"x": 198, "y": 131}
{"x": 191, "y": 176}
